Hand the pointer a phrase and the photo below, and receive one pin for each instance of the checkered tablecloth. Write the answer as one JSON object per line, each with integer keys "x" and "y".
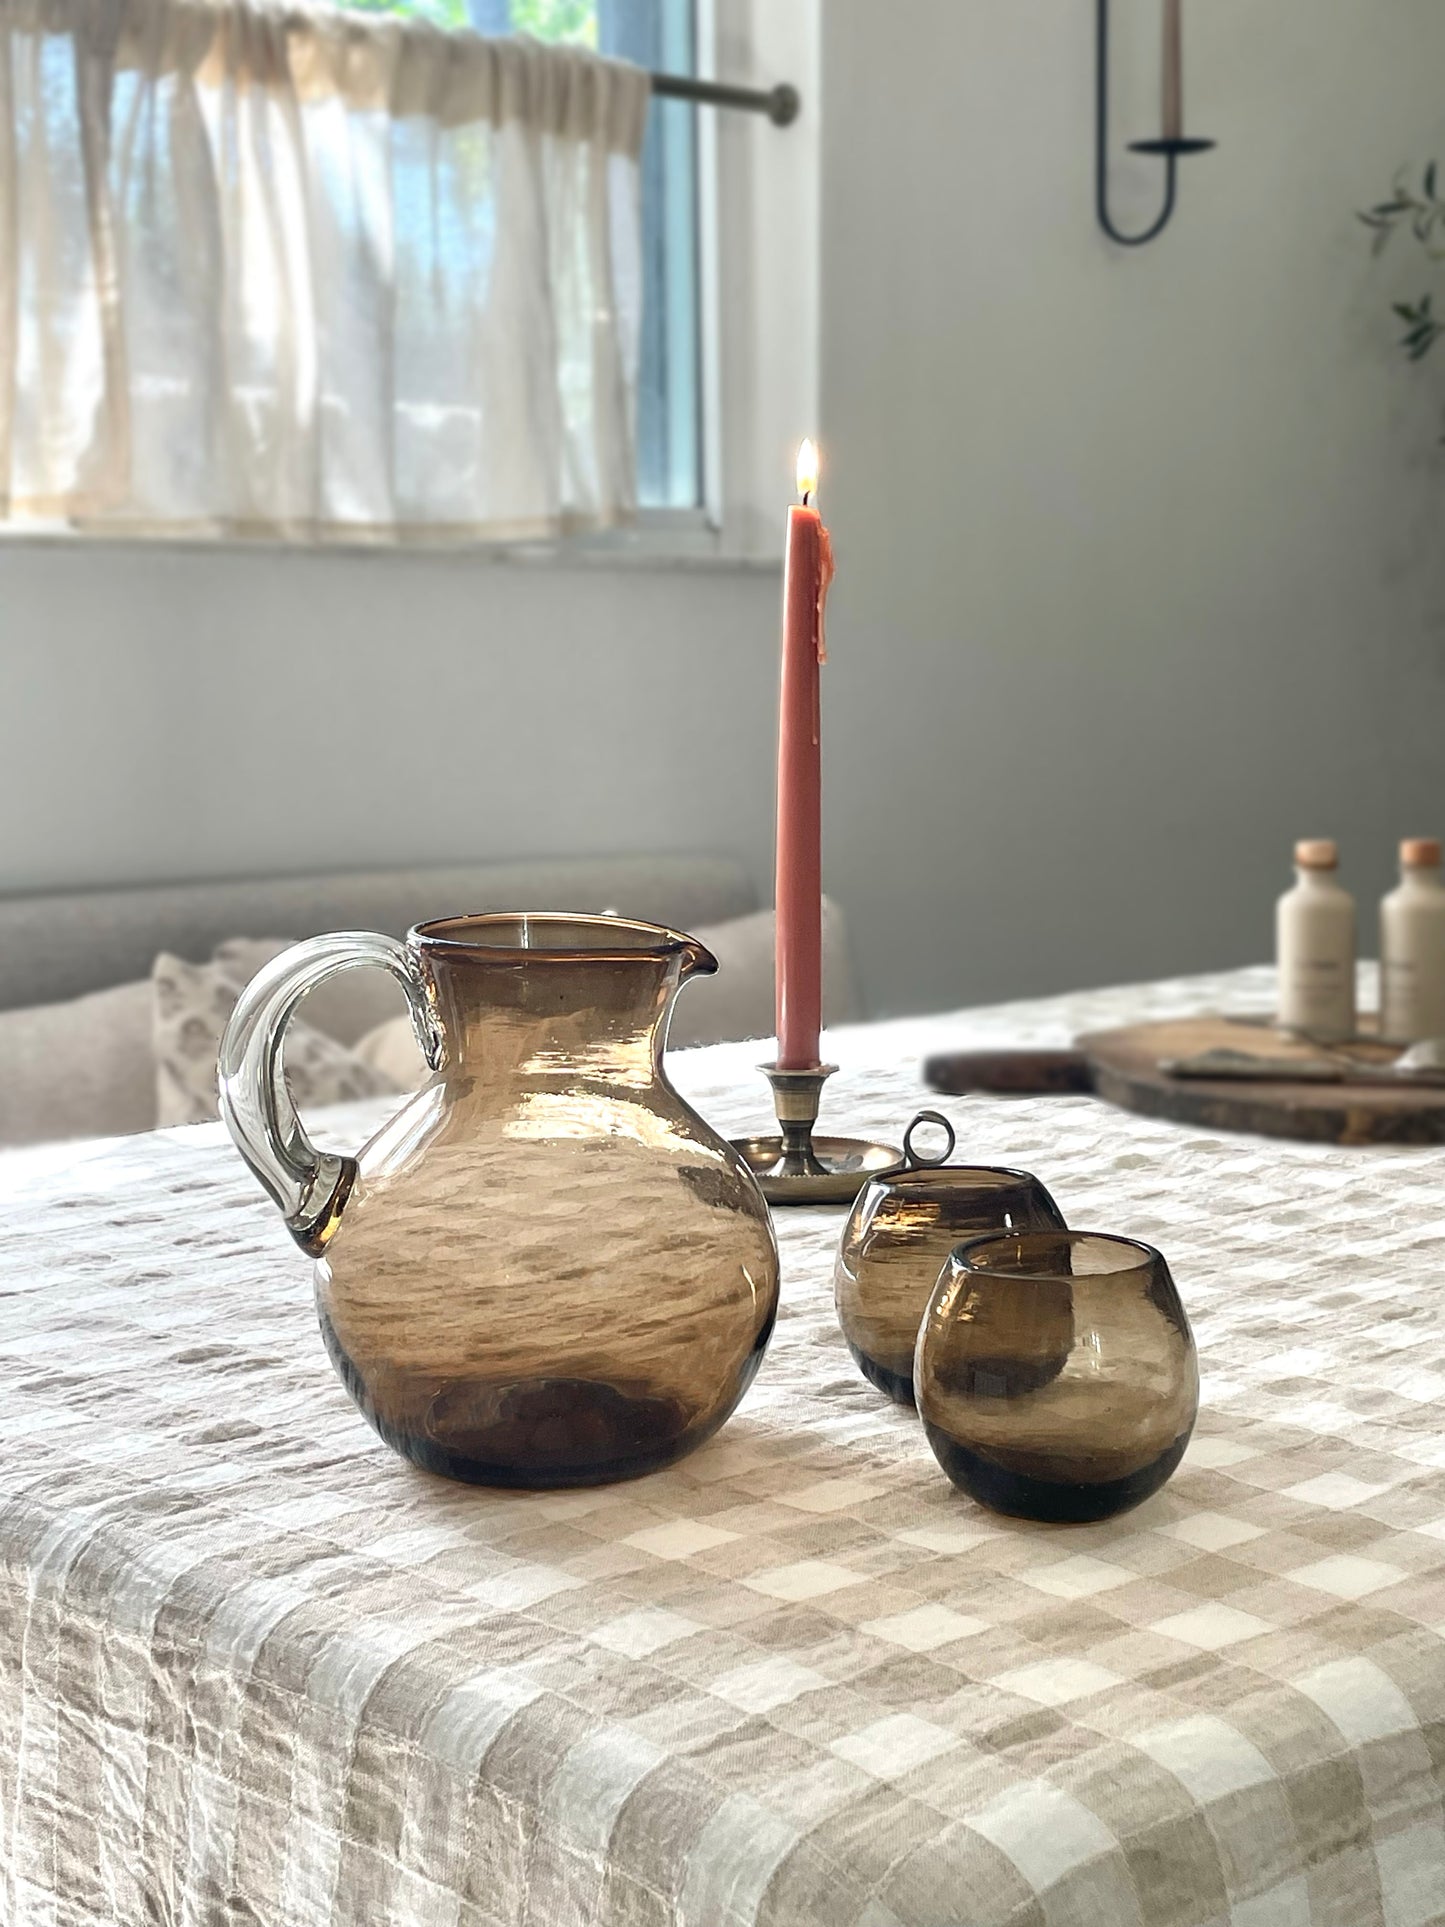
{"x": 254, "y": 1669}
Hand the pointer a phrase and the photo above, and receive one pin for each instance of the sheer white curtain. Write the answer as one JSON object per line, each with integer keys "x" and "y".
{"x": 299, "y": 272}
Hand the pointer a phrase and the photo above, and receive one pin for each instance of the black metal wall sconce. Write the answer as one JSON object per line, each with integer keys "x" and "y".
{"x": 1172, "y": 145}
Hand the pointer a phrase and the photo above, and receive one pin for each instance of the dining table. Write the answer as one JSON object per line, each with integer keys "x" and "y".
{"x": 256, "y": 1669}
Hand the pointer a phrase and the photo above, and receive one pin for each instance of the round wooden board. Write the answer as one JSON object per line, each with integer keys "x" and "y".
{"x": 1126, "y": 1066}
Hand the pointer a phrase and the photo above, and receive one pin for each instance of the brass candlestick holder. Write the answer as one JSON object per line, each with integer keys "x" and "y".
{"x": 799, "y": 1168}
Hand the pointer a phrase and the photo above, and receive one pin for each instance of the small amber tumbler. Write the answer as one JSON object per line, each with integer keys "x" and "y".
{"x": 898, "y": 1237}
{"x": 1055, "y": 1373}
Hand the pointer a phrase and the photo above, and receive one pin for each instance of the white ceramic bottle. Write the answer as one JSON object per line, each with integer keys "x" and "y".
{"x": 1315, "y": 947}
{"x": 1412, "y": 947}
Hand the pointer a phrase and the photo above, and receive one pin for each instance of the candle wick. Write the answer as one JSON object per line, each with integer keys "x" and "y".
{"x": 806, "y": 493}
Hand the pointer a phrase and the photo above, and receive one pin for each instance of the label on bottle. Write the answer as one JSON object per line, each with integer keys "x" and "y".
{"x": 1316, "y": 983}
{"x": 1412, "y": 999}
{"x": 1317, "y": 994}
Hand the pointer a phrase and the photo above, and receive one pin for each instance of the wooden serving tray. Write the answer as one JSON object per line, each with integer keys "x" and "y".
{"x": 1126, "y": 1067}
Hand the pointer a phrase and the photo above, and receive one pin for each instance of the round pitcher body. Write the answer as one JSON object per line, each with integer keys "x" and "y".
{"x": 547, "y": 1270}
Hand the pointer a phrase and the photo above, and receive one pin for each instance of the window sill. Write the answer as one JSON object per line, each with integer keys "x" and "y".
{"x": 660, "y": 539}
{"x": 664, "y": 544}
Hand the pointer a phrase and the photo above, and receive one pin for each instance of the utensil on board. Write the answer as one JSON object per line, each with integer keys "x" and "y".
{"x": 1361, "y": 1092}
{"x": 1245, "y": 1067}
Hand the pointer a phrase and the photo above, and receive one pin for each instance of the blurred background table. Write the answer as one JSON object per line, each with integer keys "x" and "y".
{"x": 255, "y": 1668}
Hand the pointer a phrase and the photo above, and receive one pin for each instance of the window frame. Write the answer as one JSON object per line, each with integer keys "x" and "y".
{"x": 758, "y": 240}
{"x": 759, "y": 221}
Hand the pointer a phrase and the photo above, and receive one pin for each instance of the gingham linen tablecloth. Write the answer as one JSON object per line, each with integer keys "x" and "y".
{"x": 254, "y": 1669}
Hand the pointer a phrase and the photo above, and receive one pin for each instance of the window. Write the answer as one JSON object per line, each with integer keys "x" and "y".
{"x": 658, "y": 35}
{"x": 238, "y": 354}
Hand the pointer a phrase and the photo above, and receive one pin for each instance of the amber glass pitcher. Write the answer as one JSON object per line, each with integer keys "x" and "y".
{"x": 546, "y": 1270}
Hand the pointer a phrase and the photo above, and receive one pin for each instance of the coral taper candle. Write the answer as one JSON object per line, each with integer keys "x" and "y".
{"x": 799, "y": 884}
{"x": 1172, "y": 112}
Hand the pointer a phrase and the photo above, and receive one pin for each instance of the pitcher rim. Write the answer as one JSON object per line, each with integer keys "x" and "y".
{"x": 436, "y": 934}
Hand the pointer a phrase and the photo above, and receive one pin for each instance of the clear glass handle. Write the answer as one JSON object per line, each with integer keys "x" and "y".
{"x": 310, "y": 1186}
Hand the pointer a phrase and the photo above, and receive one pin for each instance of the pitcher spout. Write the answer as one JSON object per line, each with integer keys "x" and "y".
{"x": 697, "y": 960}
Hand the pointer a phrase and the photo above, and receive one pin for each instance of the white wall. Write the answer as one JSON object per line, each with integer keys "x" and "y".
{"x": 170, "y": 713}
{"x": 1140, "y": 570}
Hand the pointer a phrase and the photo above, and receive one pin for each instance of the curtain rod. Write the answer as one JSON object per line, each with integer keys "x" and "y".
{"x": 780, "y": 103}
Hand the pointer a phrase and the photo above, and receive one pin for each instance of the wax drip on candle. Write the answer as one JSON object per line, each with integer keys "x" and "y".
{"x": 825, "y": 578}
{"x": 807, "y": 488}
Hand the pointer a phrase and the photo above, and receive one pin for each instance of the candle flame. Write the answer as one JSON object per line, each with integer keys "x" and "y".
{"x": 807, "y": 469}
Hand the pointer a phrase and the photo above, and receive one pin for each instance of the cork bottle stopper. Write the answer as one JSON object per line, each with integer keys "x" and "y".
{"x": 1420, "y": 852}
{"x": 1317, "y": 853}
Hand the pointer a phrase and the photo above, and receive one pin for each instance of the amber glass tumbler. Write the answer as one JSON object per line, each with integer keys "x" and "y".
{"x": 896, "y": 1241}
{"x": 1055, "y": 1373}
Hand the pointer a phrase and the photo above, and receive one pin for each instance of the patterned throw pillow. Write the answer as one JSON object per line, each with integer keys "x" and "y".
{"x": 190, "y": 1007}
